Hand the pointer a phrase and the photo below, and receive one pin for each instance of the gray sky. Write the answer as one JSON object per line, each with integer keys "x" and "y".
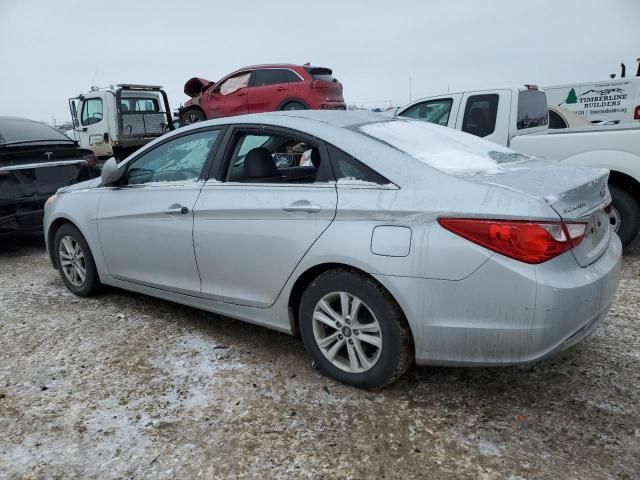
{"x": 374, "y": 47}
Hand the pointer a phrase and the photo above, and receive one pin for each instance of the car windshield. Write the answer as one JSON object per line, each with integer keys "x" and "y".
{"x": 446, "y": 149}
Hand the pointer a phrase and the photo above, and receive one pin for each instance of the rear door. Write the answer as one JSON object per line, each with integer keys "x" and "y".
{"x": 486, "y": 115}
{"x": 253, "y": 225}
{"x": 145, "y": 224}
{"x": 268, "y": 89}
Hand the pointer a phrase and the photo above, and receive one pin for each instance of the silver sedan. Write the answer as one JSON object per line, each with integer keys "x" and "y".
{"x": 378, "y": 240}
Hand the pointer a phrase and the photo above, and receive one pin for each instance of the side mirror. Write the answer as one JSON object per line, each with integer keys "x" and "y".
{"x": 111, "y": 174}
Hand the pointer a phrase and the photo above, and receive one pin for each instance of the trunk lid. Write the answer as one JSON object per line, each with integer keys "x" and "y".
{"x": 35, "y": 173}
{"x": 576, "y": 194}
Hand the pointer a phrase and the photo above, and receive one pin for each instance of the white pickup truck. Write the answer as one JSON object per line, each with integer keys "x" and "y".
{"x": 518, "y": 118}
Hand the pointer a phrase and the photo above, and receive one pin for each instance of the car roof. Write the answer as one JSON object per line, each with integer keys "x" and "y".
{"x": 336, "y": 118}
{"x": 17, "y": 130}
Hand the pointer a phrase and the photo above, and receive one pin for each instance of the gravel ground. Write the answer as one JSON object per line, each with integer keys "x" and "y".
{"x": 124, "y": 385}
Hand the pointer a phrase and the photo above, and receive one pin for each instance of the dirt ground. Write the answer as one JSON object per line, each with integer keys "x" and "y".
{"x": 127, "y": 386}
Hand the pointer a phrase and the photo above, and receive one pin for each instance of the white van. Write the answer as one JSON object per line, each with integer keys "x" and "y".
{"x": 612, "y": 101}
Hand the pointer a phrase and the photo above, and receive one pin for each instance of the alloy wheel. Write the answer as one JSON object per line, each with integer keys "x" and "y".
{"x": 72, "y": 261}
{"x": 347, "y": 332}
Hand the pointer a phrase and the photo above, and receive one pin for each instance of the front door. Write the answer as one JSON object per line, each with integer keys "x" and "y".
{"x": 228, "y": 98}
{"x": 255, "y": 223}
{"x": 94, "y": 125}
{"x": 145, "y": 224}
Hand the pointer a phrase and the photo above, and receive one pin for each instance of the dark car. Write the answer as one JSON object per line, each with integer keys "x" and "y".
{"x": 262, "y": 88}
{"x": 36, "y": 160}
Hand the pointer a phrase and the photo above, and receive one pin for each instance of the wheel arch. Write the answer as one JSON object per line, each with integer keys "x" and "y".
{"x": 306, "y": 277}
{"x": 51, "y": 233}
{"x": 194, "y": 107}
{"x": 627, "y": 182}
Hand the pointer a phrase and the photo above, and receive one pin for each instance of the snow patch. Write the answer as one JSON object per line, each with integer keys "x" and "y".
{"x": 445, "y": 149}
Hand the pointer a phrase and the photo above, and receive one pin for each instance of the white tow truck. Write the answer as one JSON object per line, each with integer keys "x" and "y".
{"x": 518, "y": 118}
{"x": 118, "y": 120}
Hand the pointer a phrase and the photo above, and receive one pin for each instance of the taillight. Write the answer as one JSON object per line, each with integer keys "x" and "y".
{"x": 636, "y": 113}
{"x": 526, "y": 241}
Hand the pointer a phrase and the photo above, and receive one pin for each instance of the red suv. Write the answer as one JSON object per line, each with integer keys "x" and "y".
{"x": 262, "y": 88}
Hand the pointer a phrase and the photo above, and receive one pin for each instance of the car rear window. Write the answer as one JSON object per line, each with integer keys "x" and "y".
{"x": 139, "y": 104}
{"x": 18, "y": 130}
{"x": 319, "y": 73}
{"x": 532, "y": 109}
{"x": 446, "y": 149}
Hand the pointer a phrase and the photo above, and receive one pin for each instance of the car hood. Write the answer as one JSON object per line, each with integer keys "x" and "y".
{"x": 93, "y": 183}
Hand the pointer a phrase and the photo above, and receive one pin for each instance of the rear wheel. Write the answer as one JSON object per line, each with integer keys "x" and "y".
{"x": 192, "y": 116}
{"x": 354, "y": 331}
{"x": 75, "y": 262}
{"x": 295, "y": 106}
{"x": 625, "y": 214}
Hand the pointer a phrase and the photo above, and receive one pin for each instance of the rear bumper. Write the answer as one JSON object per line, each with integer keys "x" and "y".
{"x": 508, "y": 312}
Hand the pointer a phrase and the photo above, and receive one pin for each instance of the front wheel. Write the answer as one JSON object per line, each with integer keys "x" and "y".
{"x": 625, "y": 214}
{"x": 192, "y": 116}
{"x": 354, "y": 331}
{"x": 75, "y": 262}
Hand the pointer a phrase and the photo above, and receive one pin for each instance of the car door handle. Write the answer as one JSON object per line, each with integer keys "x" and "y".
{"x": 302, "y": 206}
{"x": 281, "y": 89}
{"x": 176, "y": 208}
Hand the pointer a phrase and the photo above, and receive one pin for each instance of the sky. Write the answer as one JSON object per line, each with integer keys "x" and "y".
{"x": 53, "y": 50}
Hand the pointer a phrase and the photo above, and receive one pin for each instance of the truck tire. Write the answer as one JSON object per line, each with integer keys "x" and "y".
{"x": 625, "y": 215}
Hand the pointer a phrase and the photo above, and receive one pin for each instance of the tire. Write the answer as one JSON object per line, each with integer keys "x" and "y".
{"x": 191, "y": 116}
{"x": 75, "y": 249}
{"x": 625, "y": 217}
{"x": 294, "y": 106}
{"x": 379, "y": 316}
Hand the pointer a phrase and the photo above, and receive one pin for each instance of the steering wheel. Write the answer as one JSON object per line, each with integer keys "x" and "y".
{"x": 97, "y": 115}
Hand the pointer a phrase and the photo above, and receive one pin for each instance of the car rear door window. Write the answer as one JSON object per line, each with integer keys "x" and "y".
{"x": 181, "y": 159}
{"x": 432, "y": 111}
{"x": 270, "y": 76}
{"x": 532, "y": 109}
{"x": 348, "y": 169}
{"x": 480, "y": 115}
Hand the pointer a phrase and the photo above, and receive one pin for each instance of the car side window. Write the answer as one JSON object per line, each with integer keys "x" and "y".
{"x": 275, "y": 158}
{"x": 556, "y": 121}
{"x": 269, "y": 76}
{"x": 181, "y": 159}
{"x": 235, "y": 83}
{"x": 92, "y": 111}
{"x": 348, "y": 169}
{"x": 480, "y": 115}
{"x": 432, "y": 111}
